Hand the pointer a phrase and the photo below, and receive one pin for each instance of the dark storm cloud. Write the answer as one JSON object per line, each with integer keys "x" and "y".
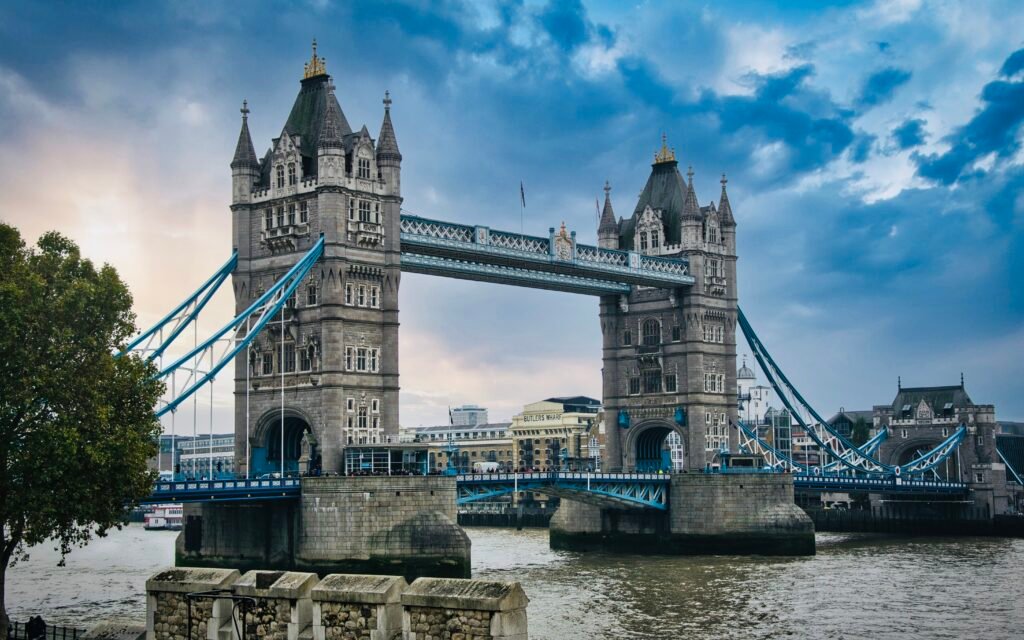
{"x": 909, "y": 134}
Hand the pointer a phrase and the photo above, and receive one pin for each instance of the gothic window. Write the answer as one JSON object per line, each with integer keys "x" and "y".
{"x": 289, "y": 358}
{"x": 362, "y": 422}
{"x": 714, "y": 268}
{"x": 655, "y": 240}
{"x": 374, "y": 360}
{"x": 376, "y": 213}
{"x": 627, "y": 337}
{"x": 268, "y": 364}
{"x": 292, "y": 178}
{"x": 304, "y": 212}
{"x": 652, "y": 381}
{"x": 364, "y": 211}
{"x": 348, "y": 359}
{"x": 361, "y": 359}
{"x": 652, "y": 332}
{"x": 268, "y": 219}
{"x": 351, "y": 209}
{"x": 291, "y": 214}
{"x": 677, "y": 333}
{"x": 643, "y": 241}
{"x": 361, "y": 298}
{"x": 280, "y": 177}
{"x": 714, "y": 383}
{"x": 712, "y": 233}
{"x": 364, "y": 168}
{"x": 634, "y": 386}
{"x": 375, "y": 405}
{"x": 670, "y": 383}
{"x": 350, "y": 404}
{"x": 280, "y": 216}
{"x": 348, "y": 293}
{"x": 306, "y": 359}
{"x": 376, "y": 425}
{"x": 311, "y": 295}
{"x": 375, "y": 297}
{"x": 714, "y": 333}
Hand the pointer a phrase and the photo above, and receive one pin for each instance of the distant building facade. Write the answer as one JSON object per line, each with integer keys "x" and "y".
{"x": 469, "y": 414}
{"x": 557, "y": 433}
{"x": 754, "y": 399}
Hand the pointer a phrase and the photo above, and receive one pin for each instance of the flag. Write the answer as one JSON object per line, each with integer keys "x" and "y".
{"x": 522, "y": 194}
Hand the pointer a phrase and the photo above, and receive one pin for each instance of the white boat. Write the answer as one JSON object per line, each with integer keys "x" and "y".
{"x": 164, "y": 516}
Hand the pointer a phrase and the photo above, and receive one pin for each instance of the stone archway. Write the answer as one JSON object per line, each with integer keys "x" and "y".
{"x": 645, "y": 446}
{"x": 289, "y": 433}
{"x": 912, "y": 449}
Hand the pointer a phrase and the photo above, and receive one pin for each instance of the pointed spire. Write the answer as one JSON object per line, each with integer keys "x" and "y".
{"x": 664, "y": 154}
{"x": 330, "y": 133}
{"x": 387, "y": 143}
{"x": 608, "y": 223}
{"x": 724, "y": 208}
{"x": 315, "y": 67}
{"x": 245, "y": 153}
{"x": 690, "y": 207}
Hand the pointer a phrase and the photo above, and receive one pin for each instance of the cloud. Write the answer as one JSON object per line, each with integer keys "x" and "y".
{"x": 909, "y": 134}
{"x": 993, "y": 129}
{"x": 1013, "y": 64}
{"x": 880, "y": 86}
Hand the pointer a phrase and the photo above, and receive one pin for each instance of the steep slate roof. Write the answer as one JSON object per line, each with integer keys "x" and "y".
{"x": 936, "y": 397}
{"x": 576, "y": 404}
{"x": 665, "y": 190}
{"x": 1011, "y": 448}
{"x": 724, "y": 208}
{"x": 852, "y": 416}
{"x": 307, "y": 115}
{"x": 245, "y": 154}
{"x": 387, "y": 143}
{"x": 607, "y": 214}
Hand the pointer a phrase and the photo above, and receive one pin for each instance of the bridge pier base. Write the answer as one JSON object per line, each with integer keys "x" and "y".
{"x": 393, "y": 525}
{"x": 709, "y": 514}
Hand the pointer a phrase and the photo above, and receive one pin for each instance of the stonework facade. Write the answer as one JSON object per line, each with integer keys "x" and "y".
{"x": 334, "y": 353}
{"x": 670, "y": 355}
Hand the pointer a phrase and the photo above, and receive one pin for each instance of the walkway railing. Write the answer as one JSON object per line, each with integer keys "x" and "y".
{"x": 224, "y": 490}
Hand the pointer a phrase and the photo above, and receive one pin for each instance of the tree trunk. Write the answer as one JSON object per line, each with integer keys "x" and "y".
{"x": 5, "y": 622}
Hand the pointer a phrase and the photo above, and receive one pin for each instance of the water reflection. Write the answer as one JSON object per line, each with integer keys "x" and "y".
{"x": 858, "y": 586}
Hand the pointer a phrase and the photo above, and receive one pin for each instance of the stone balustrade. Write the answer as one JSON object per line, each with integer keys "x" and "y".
{"x": 289, "y": 605}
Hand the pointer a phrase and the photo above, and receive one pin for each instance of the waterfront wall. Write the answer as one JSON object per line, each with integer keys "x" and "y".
{"x": 402, "y": 525}
{"x": 708, "y": 514}
{"x": 281, "y": 605}
{"x": 927, "y": 519}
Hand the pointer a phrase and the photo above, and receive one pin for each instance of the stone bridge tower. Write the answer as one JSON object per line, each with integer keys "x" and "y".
{"x": 670, "y": 356}
{"x": 334, "y": 354}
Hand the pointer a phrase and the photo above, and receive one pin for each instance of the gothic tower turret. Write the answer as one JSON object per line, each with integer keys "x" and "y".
{"x": 245, "y": 168}
{"x": 389, "y": 158}
{"x": 608, "y": 229}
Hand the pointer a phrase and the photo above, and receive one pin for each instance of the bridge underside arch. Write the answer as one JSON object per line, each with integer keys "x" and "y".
{"x": 647, "y": 448}
{"x": 912, "y": 449}
{"x": 284, "y": 443}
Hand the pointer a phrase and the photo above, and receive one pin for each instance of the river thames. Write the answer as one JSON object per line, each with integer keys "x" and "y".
{"x": 857, "y": 586}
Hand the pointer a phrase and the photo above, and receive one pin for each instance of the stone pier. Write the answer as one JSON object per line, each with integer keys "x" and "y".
{"x": 708, "y": 514}
{"x": 404, "y": 525}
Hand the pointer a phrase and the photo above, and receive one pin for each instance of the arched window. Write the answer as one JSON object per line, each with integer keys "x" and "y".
{"x": 291, "y": 174}
{"x": 652, "y": 332}
{"x": 643, "y": 241}
{"x": 280, "y": 176}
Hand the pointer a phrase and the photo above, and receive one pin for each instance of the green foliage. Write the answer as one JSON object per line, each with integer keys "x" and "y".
{"x": 77, "y": 425}
{"x": 860, "y": 432}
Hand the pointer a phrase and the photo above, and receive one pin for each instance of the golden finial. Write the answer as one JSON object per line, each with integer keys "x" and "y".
{"x": 316, "y": 66}
{"x": 665, "y": 154}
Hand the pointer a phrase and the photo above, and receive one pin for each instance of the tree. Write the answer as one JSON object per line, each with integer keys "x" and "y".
{"x": 77, "y": 425}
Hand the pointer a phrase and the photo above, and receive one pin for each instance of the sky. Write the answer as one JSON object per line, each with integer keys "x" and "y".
{"x": 873, "y": 150}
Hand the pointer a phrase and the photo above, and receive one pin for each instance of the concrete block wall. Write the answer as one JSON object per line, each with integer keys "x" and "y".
{"x": 709, "y": 503}
{"x": 292, "y": 606}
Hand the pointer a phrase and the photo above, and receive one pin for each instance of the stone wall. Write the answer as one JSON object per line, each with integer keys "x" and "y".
{"x": 382, "y": 524}
{"x": 289, "y": 606}
{"x": 708, "y": 514}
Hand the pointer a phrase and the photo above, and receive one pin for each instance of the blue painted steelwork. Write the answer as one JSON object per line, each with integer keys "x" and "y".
{"x": 481, "y": 247}
{"x": 191, "y": 307}
{"x": 831, "y": 443}
{"x": 638, "y": 490}
{"x": 879, "y": 484}
{"x": 225, "y": 490}
{"x": 239, "y": 332}
{"x": 502, "y": 274}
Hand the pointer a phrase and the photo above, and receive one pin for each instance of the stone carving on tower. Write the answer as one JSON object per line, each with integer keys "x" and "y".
{"x": 332, "y": 356}
{"x": 670, "y": 355}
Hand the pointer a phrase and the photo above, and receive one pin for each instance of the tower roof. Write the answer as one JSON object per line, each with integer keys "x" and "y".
{"x": 245, "y": 153}
{"x": 665, "y": 190}
{"x": 745, "y": 373}
{"x": 309, "y": 113}
{"x": 724, "y": 208}
{"x": 331, "y": 130}
{"x": 387, "y": 143}
{"x": 691, "y": 209}
{"x": 608, "y": 223}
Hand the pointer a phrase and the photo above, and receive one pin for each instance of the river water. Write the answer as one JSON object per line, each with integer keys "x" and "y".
{"x": 857, "y": 586}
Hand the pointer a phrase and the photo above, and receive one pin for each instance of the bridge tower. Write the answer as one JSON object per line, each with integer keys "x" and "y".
{"x": 326, "y": 373}
{"x": 669, "y": 356}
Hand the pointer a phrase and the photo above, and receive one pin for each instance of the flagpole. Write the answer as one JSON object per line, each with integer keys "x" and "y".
{"x": 522, "y": 208}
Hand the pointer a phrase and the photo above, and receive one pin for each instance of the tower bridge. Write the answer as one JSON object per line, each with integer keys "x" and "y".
{"x": 319, "y": 243}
